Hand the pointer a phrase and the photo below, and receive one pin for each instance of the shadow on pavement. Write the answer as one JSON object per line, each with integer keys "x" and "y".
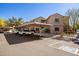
{"x": 16, "y": 39}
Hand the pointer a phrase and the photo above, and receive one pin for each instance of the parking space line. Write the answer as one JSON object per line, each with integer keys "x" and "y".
{"x": 54, "y": 44}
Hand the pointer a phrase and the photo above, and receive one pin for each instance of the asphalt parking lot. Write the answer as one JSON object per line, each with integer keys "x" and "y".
{"x": 15, "y": 45}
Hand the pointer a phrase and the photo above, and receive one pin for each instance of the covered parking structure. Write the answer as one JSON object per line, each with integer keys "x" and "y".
{"x": 36, "y": 27}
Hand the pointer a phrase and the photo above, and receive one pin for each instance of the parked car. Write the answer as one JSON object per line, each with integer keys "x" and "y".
{"x": 1, "y": 31}
{"x": 76, "y": 40}
{"x": 25, "y": 32}
{"x": 9, "y": 31}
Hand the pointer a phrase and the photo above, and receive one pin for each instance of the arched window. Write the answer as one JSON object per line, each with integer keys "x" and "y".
{"x": 56, "y": 19}
{"x": 56, "y": 28}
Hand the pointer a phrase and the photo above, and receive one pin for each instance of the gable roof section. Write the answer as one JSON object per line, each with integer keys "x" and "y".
{"x": 38, "y": 18}
{"x": 56, "y": 14}
{"x": 53, "y": 15}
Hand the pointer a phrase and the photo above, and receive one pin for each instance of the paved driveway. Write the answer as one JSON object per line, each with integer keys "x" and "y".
{"x": 31, "y": 48}
{"x": 3, "y": 41}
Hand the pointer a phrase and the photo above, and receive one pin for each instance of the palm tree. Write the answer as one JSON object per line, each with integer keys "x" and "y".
{"x": 11, "y": 21}
{"x": 19, "y": 21}
{"x": 15, "y": 22}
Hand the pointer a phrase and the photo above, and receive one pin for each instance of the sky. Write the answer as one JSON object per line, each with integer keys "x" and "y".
{"x": 29, "y": 11}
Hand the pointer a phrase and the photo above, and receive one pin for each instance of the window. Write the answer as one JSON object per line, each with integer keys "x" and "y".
{"x": 42, "y": 21}
{"x": 42, "y": 27}
{"x": 56, "y": 29}
{"x": 56, "y": 20}
{"x": 37, "y": 28}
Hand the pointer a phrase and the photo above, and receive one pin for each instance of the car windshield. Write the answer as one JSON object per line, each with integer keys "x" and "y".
{"x": 26, "y": 30}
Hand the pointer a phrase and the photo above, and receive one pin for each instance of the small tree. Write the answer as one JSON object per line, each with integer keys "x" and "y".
{"x": 2, "y": 23}
{"x": 77, "y": 25}
{"x": 73, "y": 17}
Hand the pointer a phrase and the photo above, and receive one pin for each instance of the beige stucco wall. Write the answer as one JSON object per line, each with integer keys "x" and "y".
{"x": 51, "y": 20}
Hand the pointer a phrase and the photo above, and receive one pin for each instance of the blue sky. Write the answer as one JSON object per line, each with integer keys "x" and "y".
{"x": 30, "y": 11}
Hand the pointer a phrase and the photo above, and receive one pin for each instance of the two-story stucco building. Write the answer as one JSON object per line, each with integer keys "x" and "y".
{"x": 58, "y": 23}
